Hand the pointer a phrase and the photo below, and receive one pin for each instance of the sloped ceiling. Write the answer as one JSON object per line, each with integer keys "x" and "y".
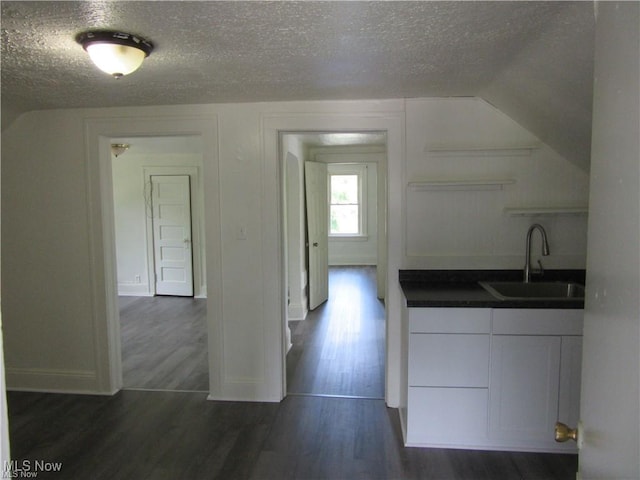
{"x": 532, "y": 60}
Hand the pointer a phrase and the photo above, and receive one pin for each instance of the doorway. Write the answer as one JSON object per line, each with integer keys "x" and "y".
{"x": 353, "y": 318}
{"x": 159, "y": 246}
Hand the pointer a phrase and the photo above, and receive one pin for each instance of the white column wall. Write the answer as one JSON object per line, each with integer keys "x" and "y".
{"x": 46, "y": 269}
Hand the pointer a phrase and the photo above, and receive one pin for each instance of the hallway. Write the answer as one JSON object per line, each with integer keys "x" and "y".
{"x": 338, "y": 349}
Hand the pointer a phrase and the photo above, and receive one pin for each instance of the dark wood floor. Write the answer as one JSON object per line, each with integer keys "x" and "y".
{"x": 164, "y": 343}
{"x": 167, "y": 435}
{"x": 181, "y": 435}
{"x": 339, "y": 349}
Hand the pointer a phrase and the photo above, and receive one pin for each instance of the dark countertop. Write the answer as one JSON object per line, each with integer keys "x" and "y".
{"x": 460, "y": 288}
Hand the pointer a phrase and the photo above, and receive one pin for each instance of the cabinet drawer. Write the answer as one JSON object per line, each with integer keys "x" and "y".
{"x": 449, "y": 320}
{"x": 447, "y": 415}
{"x": 515, "y": 321}
{"x": 448, "y": 360}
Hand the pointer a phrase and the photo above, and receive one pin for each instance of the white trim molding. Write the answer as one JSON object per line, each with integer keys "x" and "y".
{"x": 57, "y": 381}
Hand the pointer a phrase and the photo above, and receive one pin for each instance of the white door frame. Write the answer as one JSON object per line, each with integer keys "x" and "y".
{"x": 104, "y": 298}
{"x": 273, "y": 126}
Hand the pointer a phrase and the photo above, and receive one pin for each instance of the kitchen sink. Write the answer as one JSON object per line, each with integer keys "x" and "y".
{"x": 535, "y": 290}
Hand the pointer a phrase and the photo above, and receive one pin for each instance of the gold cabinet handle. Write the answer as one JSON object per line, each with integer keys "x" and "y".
{"x": 564, "y": 433}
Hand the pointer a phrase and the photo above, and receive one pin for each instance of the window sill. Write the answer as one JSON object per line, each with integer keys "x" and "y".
{"x": 348, "y": 238}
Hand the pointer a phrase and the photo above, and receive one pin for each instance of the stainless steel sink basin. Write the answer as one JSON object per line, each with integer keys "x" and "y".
{"x": 535, "y": 290}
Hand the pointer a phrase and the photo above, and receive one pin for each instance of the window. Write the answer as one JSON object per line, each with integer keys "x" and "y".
{"x": 346, "y": 206}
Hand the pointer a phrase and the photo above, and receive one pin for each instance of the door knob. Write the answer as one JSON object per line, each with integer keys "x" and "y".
{"x": 315, "y": 244}
{"x": 564, "y": 433}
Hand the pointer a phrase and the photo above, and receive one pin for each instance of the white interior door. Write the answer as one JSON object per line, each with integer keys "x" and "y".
{"x": 318, "y": 231}
{"x": 171, "y": 207}
{"x": 610, "y": 406}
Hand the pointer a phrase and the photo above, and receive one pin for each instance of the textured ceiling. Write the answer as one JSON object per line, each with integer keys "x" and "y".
{"x": 533, "y": 60}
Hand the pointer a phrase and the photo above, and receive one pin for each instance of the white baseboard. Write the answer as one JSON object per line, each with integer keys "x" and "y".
{"x": 242, "y": 398}
{"x": 134, "y": 290}
{"x": 53, "y": 381}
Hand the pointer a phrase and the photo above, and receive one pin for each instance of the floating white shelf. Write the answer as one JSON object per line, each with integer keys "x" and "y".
{"x": 427, "y": 185}
{"x": 481, "y": 151}
{"x": 545, "y": 211}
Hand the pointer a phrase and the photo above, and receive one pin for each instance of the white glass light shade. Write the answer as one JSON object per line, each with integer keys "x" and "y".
{"x": 116, "y": 53}
{"x": 114, "y": 59}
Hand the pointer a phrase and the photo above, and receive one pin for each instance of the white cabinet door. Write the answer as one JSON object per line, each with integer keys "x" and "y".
{"x": 447, "y": 417}
{"x": 525, "y": 372}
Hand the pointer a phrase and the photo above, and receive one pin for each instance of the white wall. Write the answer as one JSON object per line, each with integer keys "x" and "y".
{"x": 610, "y": 401}
{"x": 465, "y": 139}
{"x": 131, "y": 215}
{"x": 46, "y": 275}
{"x": 53, "y": 230}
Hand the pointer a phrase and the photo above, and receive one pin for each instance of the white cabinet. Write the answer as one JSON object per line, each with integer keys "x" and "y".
{"x": 448, "y": 375}
{"x": 525, "y": 372}
{"x": 535, "y": 376}
{"x": 494, "y": 379}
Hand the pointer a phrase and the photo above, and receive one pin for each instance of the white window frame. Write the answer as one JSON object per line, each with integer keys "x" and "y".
{"x": 360, "y": 170}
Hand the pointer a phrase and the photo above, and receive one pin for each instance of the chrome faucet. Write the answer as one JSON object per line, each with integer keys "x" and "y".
{"x": 545, "y": 250}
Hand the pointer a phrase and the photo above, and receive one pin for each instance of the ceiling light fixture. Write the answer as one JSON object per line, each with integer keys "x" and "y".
{"x": 119, "y": 148}
{"x": 116, "y": 53}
